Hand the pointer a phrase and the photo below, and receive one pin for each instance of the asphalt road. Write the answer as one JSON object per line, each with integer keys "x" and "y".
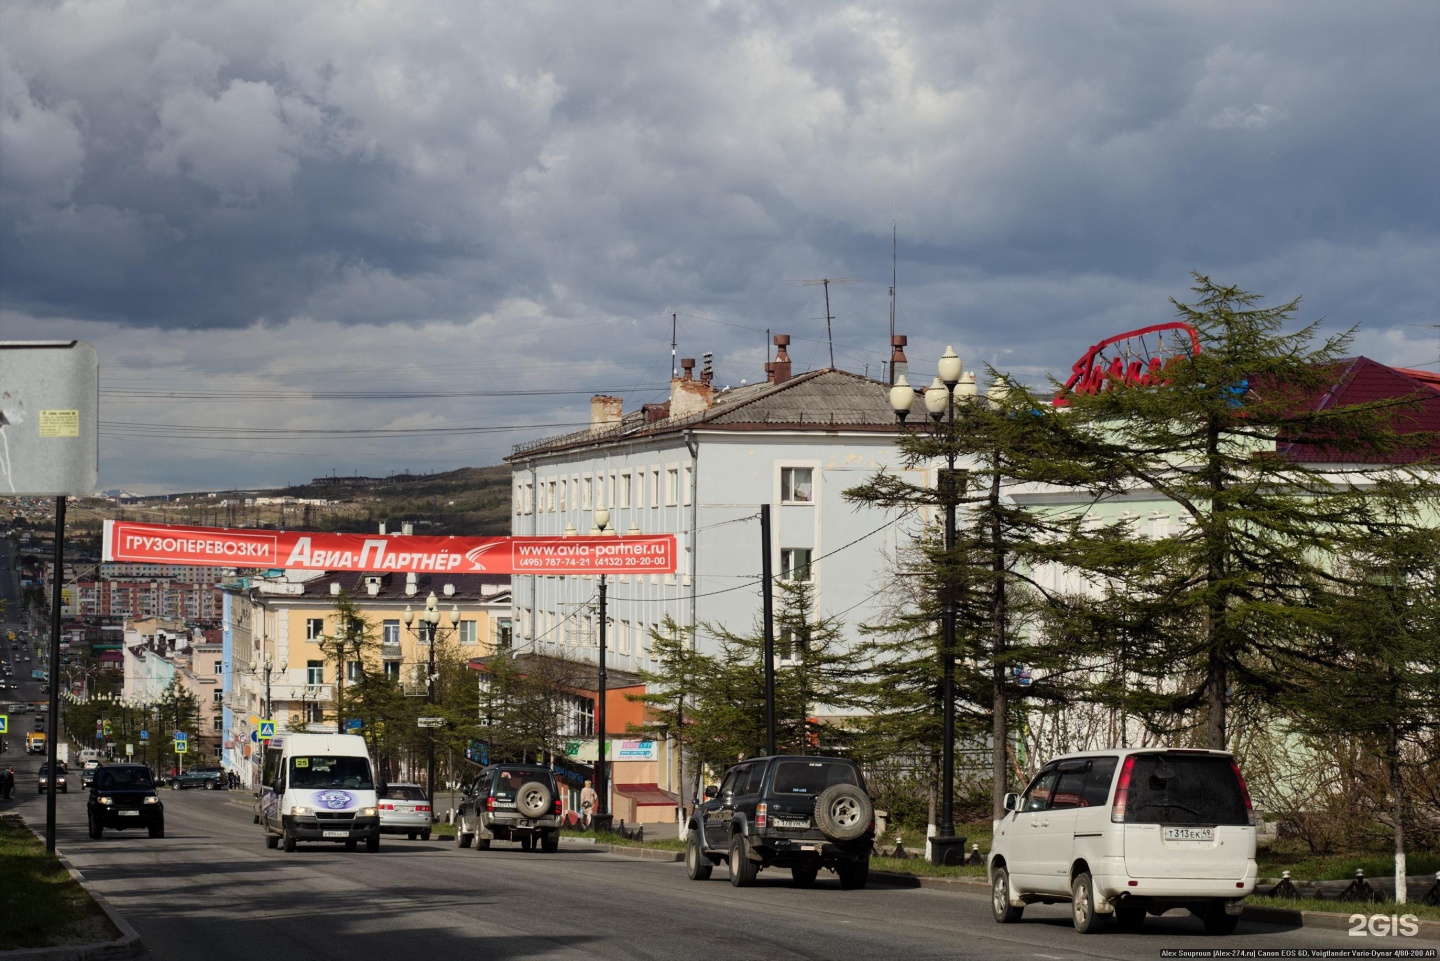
{"x": 211, "y": 889}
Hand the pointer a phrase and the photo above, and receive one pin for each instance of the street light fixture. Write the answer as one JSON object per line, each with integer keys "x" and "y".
{"x": 430, "y": 618}
{"x": 940, "y": 398}
{"x": 601, "y": 818}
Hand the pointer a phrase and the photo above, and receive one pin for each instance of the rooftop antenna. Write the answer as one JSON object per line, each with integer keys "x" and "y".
{"x": 674, "y": 323}
{"x": 826, "y": 282}
{"x": 894, "y": 282}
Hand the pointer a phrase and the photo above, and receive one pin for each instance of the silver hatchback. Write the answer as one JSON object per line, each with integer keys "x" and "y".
{"x": 404, "y": 809}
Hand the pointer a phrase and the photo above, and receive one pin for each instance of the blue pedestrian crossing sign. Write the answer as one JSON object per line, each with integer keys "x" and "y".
{"x": 4, "y": 724}
{"x": 267, "y": 729}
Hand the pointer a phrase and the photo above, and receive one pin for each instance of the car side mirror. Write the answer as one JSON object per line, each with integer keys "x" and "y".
{"x": 1012, "y": 802}
{"x": 711, "y": 791}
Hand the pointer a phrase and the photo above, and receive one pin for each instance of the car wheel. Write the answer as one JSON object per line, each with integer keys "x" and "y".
{"x": 272, "y": 841}
{"x": 462, "y": 836}
{"x": 352, "y": 845}
{"x": 550, "y": 844}
{"x": 1129, "y": 917}
{"x": 409, "y": 835}
{"x": 372, "y": 843}
{"x": 527, "y": 843}
{"x": 1082, "y": 904}
{"x": 482, "y": 844}
{"x": 424, "y": 835}
{"x": 157, "y": 830}
{"x": 534, "y": 799}
{"x": 1217, "y": 922}
{"x": 742, "y": 869}
{"x": 853, "y": 874}
{"x": 95, "y": 829}
{"x": 697, "y": 865}
{"x": 843, "y": 812}
{"x": 1000, "y": 906}
{"x": 288, "y": 840}
{"x": 174, "y": 786}
{"x": 803, "y": 875}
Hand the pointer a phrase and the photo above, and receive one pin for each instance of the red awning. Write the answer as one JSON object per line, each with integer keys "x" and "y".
{"x": 647, "y": 795}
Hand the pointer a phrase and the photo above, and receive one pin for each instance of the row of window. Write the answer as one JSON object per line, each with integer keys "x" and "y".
{"x": 641, "y": 487}
{"x": 466, "y": 632}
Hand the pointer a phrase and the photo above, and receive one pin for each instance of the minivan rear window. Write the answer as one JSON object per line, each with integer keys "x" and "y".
{"x": 1184, "y": 789}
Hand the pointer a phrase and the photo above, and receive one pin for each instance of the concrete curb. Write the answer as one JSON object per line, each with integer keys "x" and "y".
{"x": 1283, "y": 917}
{"x": 128, "y": 945}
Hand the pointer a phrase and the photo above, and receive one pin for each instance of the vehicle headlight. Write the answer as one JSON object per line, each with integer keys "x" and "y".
{"x": 301, "y": 811}
{"x": 152, "y": 799}
{"x": 104, "y": 800}
{"x": 369, "y": 812}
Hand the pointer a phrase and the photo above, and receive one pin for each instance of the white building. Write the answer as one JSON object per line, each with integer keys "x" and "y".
{"x": 700, "y": 467}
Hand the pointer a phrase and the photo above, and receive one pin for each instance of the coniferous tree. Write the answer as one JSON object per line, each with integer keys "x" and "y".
{"x": 1272, "y": 485}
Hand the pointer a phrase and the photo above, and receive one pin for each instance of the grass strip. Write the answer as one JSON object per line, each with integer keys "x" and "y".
{"x": 41, "y": 905}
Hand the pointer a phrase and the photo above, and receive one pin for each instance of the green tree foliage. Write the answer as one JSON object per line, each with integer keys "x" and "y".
{"x": 714, "y": 705}
{"x": 1224, "y": 607}
{"x": 1375, "y": 674}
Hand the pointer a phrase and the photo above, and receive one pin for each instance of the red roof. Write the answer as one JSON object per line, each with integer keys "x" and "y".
{"x": 647, "y": 795}
{"x": 1361, "y": 380}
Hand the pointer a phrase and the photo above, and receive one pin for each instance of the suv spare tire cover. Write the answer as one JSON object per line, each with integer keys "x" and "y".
{"x": 533, "y": 799}
{"x": 843, "y": 812}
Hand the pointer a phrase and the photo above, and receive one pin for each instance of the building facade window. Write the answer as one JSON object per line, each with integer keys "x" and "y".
{"x": 672, "y": 486}
{"x": 390, "y": 633}
{"x": 314, "y": 672}
{"x": 218, "y": 697}
{"x": 466, "y": 631}
{"x": 797, "y": 485}
{"x": 217, "y": 724}
{"x": 795, "y": 564}
{"x": 392, "y": 668}
{"x": 314, "y": 628}
{"x": 219, "y": 668}
{"x": 504, "y": 633}
{"x": 787, "y": 651}
{"x": 354, "y": 670}
{"x": 625, "y": 489}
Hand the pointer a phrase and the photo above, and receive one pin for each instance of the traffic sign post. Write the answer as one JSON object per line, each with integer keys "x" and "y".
{"x": 267, "y": 729}
{"x": 429, "y": 722}
{"x": 4, "y": 724}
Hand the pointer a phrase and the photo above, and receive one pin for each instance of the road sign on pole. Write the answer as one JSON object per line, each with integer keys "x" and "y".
{"x": 267, "y": 729}
{"x": 182, "y": 747}
{"x": 429, "y": 722}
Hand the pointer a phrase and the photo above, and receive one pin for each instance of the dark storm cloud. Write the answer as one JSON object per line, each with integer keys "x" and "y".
{"x": 230, "y": 188}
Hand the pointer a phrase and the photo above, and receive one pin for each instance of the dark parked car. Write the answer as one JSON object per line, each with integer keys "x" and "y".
{"x": 510, "y": 802}
{"x": 200, "y": 777}
{"x": 801, "y": 813}
{"x": 123, "y": 796}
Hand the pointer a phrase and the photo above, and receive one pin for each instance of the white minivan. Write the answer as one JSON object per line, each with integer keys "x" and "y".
{"x": 1125, "y": 832}
{"x": 319, "y": 787}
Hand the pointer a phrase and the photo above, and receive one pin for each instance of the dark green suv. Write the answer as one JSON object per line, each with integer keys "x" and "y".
{"x": 510, "y": 802}
{"x": 801, "y": 813}
{"x": 123, "y": 796}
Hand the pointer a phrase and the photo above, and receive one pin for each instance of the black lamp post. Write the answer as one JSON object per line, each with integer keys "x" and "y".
{"x": 430, "y": 619}
{"x": 940, "y": 403}
{"x": 601, "y": 817}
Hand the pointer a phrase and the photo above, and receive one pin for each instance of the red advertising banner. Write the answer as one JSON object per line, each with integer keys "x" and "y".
{"x": 220, "y": 547}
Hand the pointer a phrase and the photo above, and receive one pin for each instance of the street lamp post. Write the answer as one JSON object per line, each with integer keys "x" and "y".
{"x": 601, "y": 818}
{"x": 430, "y": 618}
{"x": 940, "y": 404}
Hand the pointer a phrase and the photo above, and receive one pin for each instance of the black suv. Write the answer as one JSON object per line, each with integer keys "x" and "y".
{"x": 123, "y": 796}
{"x": 510, "y": 802}
{"x": 801, "y": 813}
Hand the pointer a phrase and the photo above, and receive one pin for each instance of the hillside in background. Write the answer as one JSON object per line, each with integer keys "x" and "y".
{"x": 471, "y": 501}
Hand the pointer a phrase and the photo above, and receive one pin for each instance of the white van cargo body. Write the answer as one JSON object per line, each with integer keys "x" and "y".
{"x": 319, "y": 787}
{"x": 1125, "y": 832}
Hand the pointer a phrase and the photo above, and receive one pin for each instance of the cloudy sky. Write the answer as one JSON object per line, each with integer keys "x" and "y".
{"x": 386, "y": 235}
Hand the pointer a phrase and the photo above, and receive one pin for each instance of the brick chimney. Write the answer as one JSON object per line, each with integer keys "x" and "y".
{"x": 779, "y": 368}
{"x": 898, "y": 364}
{"x": 689, "y": 396}
{"x": 605, "y": 412}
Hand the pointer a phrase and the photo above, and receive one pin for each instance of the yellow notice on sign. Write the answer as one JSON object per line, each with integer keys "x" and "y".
{"x": 59, "y": 423}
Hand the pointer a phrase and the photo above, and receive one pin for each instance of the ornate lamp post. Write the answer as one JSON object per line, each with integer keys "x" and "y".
{"x": 430, "y": 621}
{"x": 951, "y": 381}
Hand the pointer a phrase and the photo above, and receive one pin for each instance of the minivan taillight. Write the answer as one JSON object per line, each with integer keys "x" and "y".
{"x": 1244, "y": 792}
{"x": 1122, "y": 792}
{"x": 489, "y": 804}
{"x": 761, "y": 815}
{"x": 558, "y": 811}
